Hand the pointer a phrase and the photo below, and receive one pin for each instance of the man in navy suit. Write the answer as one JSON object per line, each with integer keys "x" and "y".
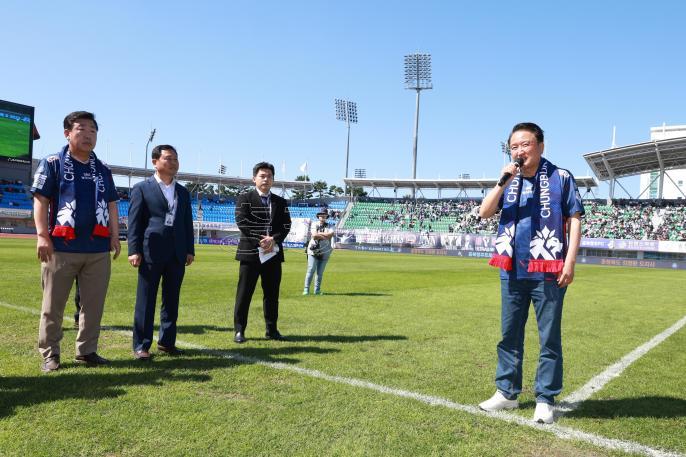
{"x": 160, "y": 238}
{"x": 264, "y": 222}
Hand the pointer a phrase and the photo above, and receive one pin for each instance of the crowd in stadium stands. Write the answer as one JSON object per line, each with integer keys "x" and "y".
{"x": 431, "y": 216}
{"x": 636, "y": 220}
{"x": 631, "y": 219}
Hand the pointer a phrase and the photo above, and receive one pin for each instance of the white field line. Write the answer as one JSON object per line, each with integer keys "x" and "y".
{"x": 559, "y": 431}
{"x": 574, "y": 400}
{"x": 20, "y": 308}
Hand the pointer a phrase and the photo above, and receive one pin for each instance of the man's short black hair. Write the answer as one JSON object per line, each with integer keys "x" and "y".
{"x": 262, "y": 166}
{"x": 70, "y": 118}
{"x": 157, "y": 150}
{"x": 529, "y": 127}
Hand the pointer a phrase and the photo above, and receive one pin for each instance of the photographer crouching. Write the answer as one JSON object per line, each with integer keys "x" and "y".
{"x": 318, "y": 252}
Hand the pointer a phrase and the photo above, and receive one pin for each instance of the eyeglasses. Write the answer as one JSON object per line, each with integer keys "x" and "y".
{"x": 518, "y": 147}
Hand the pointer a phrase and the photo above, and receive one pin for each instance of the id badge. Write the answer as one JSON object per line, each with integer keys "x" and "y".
{"x": 169, "y": 220}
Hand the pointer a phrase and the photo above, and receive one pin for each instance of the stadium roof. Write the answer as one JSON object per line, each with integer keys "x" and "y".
{"x": 638, "y": 158}
{"x": 587, "y": 182}
{"x": 134, "y": 172}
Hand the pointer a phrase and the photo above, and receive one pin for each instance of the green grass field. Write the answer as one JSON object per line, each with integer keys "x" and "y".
{"x": 419, "y": 324}
{"x": 14, "y": 138}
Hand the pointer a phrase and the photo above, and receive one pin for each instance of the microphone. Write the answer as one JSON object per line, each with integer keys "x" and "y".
{"x": 503, "y": 179}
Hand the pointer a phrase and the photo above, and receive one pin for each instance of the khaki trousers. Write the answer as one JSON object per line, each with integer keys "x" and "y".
{"x": 93, "y": 271}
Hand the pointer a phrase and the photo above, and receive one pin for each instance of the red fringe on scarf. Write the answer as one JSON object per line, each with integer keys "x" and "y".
{"x": 101, "y": 230}
{"x": 64, "y": 231}
{"x": 546, "y": 266}
{"x": 501, "y": 261}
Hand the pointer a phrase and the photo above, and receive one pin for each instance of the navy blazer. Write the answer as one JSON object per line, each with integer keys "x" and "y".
{"x": 254, "y": 220}
{"x": 147, "y": 234}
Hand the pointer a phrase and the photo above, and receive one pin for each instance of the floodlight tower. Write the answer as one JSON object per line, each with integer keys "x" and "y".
{"x": 507, "y": 155}
{"x": 417, "y": 77}
{"x": 346, "y": 111}
{"x": 152, "y": 135}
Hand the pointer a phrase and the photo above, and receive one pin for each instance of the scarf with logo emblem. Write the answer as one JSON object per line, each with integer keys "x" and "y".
{"x": 547, "y": 240}
{"x": 66, "y": 203}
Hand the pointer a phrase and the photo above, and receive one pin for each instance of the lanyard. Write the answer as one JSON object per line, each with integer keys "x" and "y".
{"x": 172, "y": 206}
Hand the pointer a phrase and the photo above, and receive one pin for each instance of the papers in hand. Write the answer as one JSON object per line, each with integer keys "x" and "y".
{"x": 264, "y": 256}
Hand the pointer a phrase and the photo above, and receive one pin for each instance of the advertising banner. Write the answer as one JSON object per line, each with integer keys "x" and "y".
{"x": 481, "y": 246}
{"x": 485, "y": 243}
{"x": 678, "y": 247}
{"x": 620, "y": 245}
{"x": 207, "y": 225}
{"x": 15, "y": 213}
{"x": 226, "y": 241}
{"x": 299, "y": 233}
{"x": 635, "y": 263}
{"x": 418, "y": 240}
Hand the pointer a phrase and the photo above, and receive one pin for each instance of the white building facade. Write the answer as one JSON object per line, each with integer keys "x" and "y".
{"x": 675, "y": 180}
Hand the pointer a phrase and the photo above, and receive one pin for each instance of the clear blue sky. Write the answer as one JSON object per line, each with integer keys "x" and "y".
{"x": 246, "y": 81}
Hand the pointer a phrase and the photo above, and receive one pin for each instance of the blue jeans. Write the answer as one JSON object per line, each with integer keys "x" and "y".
{"x": 547, "y": 298}
{"x": 313, "y": 265}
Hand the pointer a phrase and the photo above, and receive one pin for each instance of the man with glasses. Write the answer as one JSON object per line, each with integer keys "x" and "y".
{"x": 536, "y": 247}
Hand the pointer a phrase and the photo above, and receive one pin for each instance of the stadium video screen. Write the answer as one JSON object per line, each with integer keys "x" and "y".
{"x": 16, "y": 130}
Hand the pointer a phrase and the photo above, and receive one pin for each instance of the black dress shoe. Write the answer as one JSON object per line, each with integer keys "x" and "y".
{"x": 275, "y": 335}
{"x": 173, "y": 350}
{"x": 239, "y": 338}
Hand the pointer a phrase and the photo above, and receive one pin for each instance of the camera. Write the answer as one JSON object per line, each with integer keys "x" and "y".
{"x": 317, "y": 250}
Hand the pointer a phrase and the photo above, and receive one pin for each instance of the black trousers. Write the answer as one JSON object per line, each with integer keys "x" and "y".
{"x": 248, "y": 272}
{"x": 149, "y": 275}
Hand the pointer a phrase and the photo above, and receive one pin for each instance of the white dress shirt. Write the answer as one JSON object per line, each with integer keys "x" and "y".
{"x": 169, "y": 192}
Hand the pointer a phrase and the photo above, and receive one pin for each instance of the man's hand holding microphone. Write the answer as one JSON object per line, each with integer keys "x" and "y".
{"x": 510, "y": 170}
{"x": 489, "y": 205}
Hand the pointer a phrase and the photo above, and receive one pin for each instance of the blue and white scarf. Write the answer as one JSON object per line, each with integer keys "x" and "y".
{"x": 547, "y": 240}
{"x": 66, "y": 203}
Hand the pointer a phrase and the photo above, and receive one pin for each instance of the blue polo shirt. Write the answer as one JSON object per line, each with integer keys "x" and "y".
{"x": 47, "y": 184}
{"x": 571, "y": 204}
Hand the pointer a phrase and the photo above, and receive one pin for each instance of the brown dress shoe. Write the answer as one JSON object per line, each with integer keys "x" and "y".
{"x": 91, "y": 359}
{"x": 141, "y": 355}
{"x": 50, "y": 364}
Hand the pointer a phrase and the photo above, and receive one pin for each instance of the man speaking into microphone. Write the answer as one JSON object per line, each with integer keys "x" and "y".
{"x": 536, "y": 247}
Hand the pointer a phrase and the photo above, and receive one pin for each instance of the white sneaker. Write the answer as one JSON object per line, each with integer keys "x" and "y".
{"x": 498, "y": 402}
{"x": 544, "y": 413}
